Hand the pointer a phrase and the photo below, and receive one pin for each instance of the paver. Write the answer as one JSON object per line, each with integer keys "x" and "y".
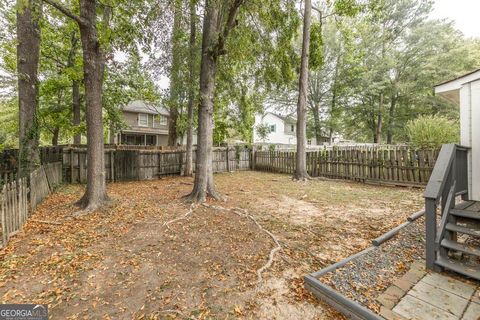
{"x": 413, "y": 308}
{"x": 448, "y": 284}
{"x": 472, "y": 312}
{"x": 439, "y": 298}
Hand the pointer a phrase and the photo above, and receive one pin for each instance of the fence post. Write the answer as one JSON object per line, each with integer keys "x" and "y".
{"x": 3, "y": 201}
{"x": 228, "y": 161}
{"x": 71, "y": 165}
{"x": 253, "y": 155}
{"x": 112, "y": 163}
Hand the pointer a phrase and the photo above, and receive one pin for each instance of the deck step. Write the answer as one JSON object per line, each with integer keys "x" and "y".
{"x": 457, "y": 266}
{"x": 460, "y": 247}
{"x": 466, "y": 214}
{"x": 456, "y": 228}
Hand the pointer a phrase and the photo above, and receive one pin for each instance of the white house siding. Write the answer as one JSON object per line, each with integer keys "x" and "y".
{"x": 279, "y": 136}
{"x": 475, "y": 139}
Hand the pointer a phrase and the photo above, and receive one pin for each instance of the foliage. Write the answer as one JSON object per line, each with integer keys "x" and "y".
{"x": 263, "y": 130}
{"x": 428, "y": 132}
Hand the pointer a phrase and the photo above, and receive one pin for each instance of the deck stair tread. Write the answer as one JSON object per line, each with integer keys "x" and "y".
{"x": 456, "y": 228}
{"x": 450, "y": 244}
{"x": 466, "y": 214}
{"x": 459, "y": 267}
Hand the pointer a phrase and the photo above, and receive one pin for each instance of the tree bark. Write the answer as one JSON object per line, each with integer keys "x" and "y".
{"x": 203, "y": 183}
{"x": 77, "y": 137}
{"x": 379, "y": 127}
{"x": 93, "y": 66}
{"x": 28, "y": 54}
{"x": 215, "y": 33}
{"x": 56, "y": 133}
{"x": 316, "y": 121}
{"x": 301, "y": 156}
{"x": 191, "y": 91}
{"x": 391, "y": 119}
{"x": 175, "y": 81}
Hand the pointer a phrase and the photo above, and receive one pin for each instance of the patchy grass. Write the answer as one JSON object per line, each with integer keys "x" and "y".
{"x": 121, "y": 262}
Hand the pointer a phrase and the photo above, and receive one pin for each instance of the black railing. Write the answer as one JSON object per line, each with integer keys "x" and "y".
{"x": 449, "y": 179}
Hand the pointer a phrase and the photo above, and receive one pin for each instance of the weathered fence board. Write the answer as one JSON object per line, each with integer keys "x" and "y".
{"x": 13, "y": 208}
{"x": 145, "y": 164}
{"x": 393, "y": 165}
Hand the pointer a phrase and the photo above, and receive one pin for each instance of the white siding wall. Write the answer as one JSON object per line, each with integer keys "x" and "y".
{"x": 279, "y": 136}
{"x": 475, "y": 139}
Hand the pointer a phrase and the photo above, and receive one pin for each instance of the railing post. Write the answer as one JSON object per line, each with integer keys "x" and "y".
{"x": 431, "y": 232}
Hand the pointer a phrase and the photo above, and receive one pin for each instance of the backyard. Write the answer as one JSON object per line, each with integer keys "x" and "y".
{"x": 149, "y": 255}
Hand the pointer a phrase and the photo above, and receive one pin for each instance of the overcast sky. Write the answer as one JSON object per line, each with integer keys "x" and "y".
{"x": 465, "y": 14}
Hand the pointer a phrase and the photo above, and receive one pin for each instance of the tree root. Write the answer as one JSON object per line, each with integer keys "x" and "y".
{"x": 243, "y": 213}
{"x": 190, "y": 210}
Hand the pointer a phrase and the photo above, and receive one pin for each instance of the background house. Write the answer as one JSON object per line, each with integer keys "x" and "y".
{"x": 147, "y": 124}
{"x": 282, "y": 130}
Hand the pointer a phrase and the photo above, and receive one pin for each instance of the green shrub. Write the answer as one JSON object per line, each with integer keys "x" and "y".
{"x": 428, "y": 132}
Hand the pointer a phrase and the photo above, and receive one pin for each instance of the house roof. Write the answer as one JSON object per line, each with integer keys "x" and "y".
{"x": 451, "y": 89}
{"x": 282, "y": 117}
{"x": 141, "y": 106}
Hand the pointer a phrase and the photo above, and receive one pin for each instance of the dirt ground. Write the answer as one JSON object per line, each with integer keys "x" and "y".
{"x": 123, "y": 262}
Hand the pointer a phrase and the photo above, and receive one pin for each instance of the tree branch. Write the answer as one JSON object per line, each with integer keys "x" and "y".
{"x": 60, "y": 7}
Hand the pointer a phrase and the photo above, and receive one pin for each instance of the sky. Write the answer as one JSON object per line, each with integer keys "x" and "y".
{"x": 465, "y": 14}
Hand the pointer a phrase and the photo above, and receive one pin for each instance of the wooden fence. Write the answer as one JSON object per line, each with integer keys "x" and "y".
{"x": 386, "y": 165}
{"x": 13, "y": 208}
{"x": 124, "y": 165}
{"x": 16, "y": 195}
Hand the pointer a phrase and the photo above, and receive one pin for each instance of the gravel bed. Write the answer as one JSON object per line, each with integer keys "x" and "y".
{"x": 366, "y": 277}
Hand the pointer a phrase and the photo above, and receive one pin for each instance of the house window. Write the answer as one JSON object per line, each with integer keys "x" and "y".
{"x": 292, "y": 128}
{"x": 309, "y": 142}
{"x": 162, "y": 120}
{"x": 273, "y": 127}
{"x": 142, "y": 120}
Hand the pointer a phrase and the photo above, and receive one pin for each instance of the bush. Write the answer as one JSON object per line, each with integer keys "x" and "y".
{"x": 428, "y": 132}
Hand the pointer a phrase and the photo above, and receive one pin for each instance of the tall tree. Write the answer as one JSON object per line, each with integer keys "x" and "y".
{"x": 191, "y": 88}
{"x": 28, "y": 55}
{"x": 93, "y": 68}
{"x": 175, "y": 69}
{"x": 219, "y": 20}
{"x": 301, "y": 156}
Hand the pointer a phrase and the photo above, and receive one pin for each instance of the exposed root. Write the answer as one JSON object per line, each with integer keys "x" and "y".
{"x": 46, "y": 222}
{"x": 200, "y": 197}
{"x": 167, "y": 223}
{"x": 243, "y": 213}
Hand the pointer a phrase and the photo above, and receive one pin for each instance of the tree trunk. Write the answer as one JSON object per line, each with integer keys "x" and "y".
{"x": 316, "y": 121}
{"x": 191, "y": 91}
{"x": 333, "y": 106}
{"x": 203, "y": 184}
{"x": 391, "y": 120}
{"x": 379, "y": 126}
{"x": 77, "y": 137}
{"x": 175, "y": 81}
{"x": 301, "y": 156}
{"x": 56, "y": 133}
{"x": 93, "y": 64}
{"x": 28, "y": 54}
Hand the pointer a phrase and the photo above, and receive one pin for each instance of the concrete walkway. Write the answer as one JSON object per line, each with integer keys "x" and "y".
{"x": 439, "y": 297}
